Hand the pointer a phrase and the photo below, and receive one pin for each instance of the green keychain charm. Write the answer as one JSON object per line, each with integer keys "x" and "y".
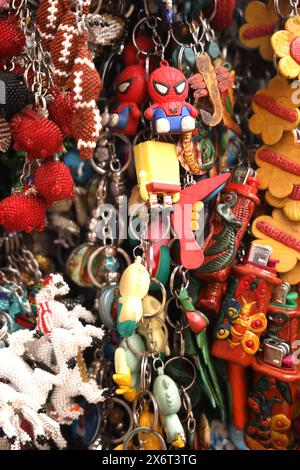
{"x": 198, "y": 323}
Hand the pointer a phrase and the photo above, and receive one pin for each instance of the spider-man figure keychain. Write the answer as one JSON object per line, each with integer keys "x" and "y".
{"x": 170, "y": 113}
{"x": 131, "y": 92}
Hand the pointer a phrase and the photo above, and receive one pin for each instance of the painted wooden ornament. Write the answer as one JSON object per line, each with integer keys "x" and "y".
{"x": 260, "y": 24}
{"x": 206, "y": 83}
{"x": 274, "y": 111}
{"x": 283, "y": 236}
{"x": 286, "y": 45}
{"x": 290, "y": 204}
{"x": 279, "y": 166}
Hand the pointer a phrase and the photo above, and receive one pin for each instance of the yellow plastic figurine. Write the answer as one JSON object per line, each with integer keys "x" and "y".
{"x": 134, "y": 286}
{"x": 158, "y": 173}
{"x": 152, "y": 306}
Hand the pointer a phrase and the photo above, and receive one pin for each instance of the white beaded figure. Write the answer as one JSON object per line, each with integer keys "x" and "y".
{"x": 56, "y": 345}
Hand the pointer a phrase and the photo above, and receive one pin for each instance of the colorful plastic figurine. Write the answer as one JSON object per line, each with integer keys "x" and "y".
{"x": 134, "y": 286}
{"x": 128, "y": 367}
{"x": 170, "y": 113}
{"x": 240, "y": 325}
{"x": 157, "y": 170}
{"x": 131, "y": 92}
{"x": 272, "y": 399}
{"x": 227, "y": 227}
{"x": 168, "y": 399}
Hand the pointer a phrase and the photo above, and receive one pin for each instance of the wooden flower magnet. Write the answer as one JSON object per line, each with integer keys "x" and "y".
{"x": 290, "y": 205}
{"x": 274, "y": 111}
{"x": 279, "y": 166}
{"x": 283, "y": 236}
{"x": 286, "y": 45}
{"x": 260, "y": 24}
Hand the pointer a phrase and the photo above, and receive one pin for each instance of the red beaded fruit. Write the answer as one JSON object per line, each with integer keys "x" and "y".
{"x": 12, "y": 38}
{"x": 36, "y": 135}
{"x": 61, "y": 110}
{"x": 22, "y": 213}
{"x": 53, "y": 182}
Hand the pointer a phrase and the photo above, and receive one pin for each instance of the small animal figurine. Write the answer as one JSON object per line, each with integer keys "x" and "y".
{"x": 131, "y": 92}
{"x": 168, "y": 400}
{"x": 134, "y": 286}
{"x": 170, "y": 113}
{"x": 152, "y": 306}
{"x": 128, "y": 367}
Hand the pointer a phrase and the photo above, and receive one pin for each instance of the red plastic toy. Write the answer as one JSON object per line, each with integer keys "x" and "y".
{"x": 170, "y": 113}
{"x": 131, "y": 92}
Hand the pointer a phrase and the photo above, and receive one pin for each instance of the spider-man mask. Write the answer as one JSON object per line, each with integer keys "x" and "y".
{"x": 167, "y": 84}
{"x": 132, "y": 85}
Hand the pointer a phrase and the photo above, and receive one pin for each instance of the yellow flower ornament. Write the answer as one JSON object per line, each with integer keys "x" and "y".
{"x": 274, "y": 111}
{"x": 260, "y": 24}
{"x": 279, "y": 166}
{"x": 286, "y": 46}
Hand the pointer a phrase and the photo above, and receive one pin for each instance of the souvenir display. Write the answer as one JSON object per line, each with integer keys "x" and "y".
{"x": 149, "y": 237}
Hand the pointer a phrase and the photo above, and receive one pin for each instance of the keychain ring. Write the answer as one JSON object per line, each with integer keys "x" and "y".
{"x": 187, "y": 404}
{"x": 134, "y": 32}
{"x": 127, "y": 408}
{"x": 294, "y": 12}
{"x": 186, "y": 359}
{"x": 155, "y": 408}
{"x": 182, "y": 327}
{"x": 150, "y": 353}
{"x": 163, "y": 301}
{"x": 122, "y": 169}
{"x": 144, "y": 430}
{"x": 183, "y": 272}
{"x": 94, "y": 256}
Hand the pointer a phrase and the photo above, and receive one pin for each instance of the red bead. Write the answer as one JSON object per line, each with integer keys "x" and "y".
{"x": 36, "y": 135}
{"x": 12, "y": 38}
{"x": 257, "y": 323}
{"x": 22, "y": 213}
{"x": 54, "y": 182}
{"x": 61, "y": 111}
{"x": 249, "y": 344}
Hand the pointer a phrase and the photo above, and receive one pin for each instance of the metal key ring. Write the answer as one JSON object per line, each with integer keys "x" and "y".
{"x": 134, "y": 32}
{"x": 143, "y": 430}
{"x": 163, "y": 301}
{"x": 294, "y": 10}
{"x": 183, "y": 273}
{"x": 172, "y": 359}
{"x": 150, "y": 353}
{"x": 94, "y": 256}
{"x": 186, "y": 403}
{"x": 155, "y": 408}
{"x": 173, "y": 325}
{"x": 128, "y": 432}
{"x": 120, "y": 169}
